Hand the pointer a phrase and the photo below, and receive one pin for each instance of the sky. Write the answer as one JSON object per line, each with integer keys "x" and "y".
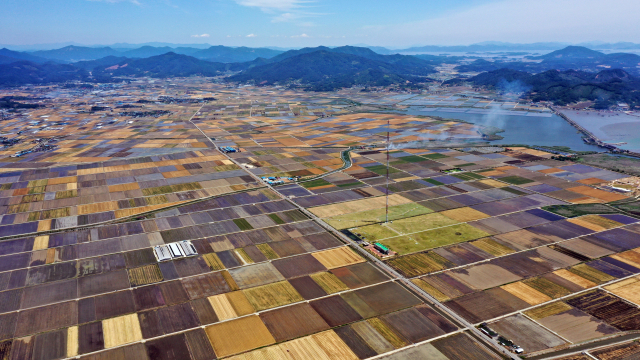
{"x": 298, "y": 23}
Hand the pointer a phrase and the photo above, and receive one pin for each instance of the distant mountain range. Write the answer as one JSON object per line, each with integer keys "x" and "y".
{"x": 324, "y": 68}
{"x": 8, "y": 56}
{"x": 563, "y": 87}
{"x": 569, "y": 58}
{"x": 74, "y": 52}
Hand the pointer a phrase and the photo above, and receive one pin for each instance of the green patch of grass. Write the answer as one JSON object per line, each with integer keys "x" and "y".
{"x": 4, "y": 187}
{"x": 316, "y": 183}
{"x": 377, "y": 215}
{"x": 467, "y": 164}
{"x": 513, "y": 191}
{"x": 434, "y": 182}
{"x": 276, "y": 219}
{"x": 243, "y": 224}
{"x": 434, "y": 156}
{"x": 468, "y": 176}
{"x": 398, "y": 162}
{"x": 374, "y": 232}
{"x": 296, "y": 215}
{"x": 435, "y": 238}
{"x": 421, "y": 223}
{"x": 571, "y": 211}
{"x": 516, "y": 180}
{"x": 382, "y": 169}
{"x": 412, "y": 158}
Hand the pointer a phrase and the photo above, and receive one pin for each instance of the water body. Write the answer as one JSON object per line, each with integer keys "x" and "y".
{"x": 611, "y": 127}
{"x": 533, "y": 129}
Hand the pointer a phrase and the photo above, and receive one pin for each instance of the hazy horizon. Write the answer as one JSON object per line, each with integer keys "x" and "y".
{"x": 302, "y": 23}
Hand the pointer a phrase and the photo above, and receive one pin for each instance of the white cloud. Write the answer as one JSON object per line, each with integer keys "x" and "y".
{"x": 251, "y": 35}
{"x": 280, "y": 5}
{"x": 136, "y": 2}
{"x": 522, "y": 21}
{"x": 301, "y": 36}
{"x": 282, "y": 10}
{"x": 201, "y": 36}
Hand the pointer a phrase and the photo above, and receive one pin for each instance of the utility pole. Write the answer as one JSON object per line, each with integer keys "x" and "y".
{"x": 388, "y": 145}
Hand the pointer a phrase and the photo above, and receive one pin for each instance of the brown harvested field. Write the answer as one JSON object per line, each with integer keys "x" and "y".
{"x": 418, "y": 264}
{"x": 492, "y": 247}
{"x": 272, "y": 295}
{"x": 121, "y": 330}
{"x": 484, "y": 276}
{"x": 595, "y": 222}
{"x": 255, "y": 275}
{"x": 145, "y": 275}
{"x": 333, "y": 346}
{"x": 391, "y": 336}
{"x": 591, "y": 274}
{"x": 598, "y": 194}
{"x": 524, "y": 239}
{"x": 464, "y": 214}
{"x": 526, "y": 293}
{"x": 385, "y": 298}
{"x": 222, "y": 307}
{"x": 526, "y": 333}
{"x": 575, "y": 357}
{"x": 339, "y": 257}
{"x": 462, "y": 347}
{"x": 630, "y": 257}
{"x": 293, "y": 321}
{"x": 627, "y": 289}
{"x": 308, "y": 288}
{"x": 431, "y": 290}
{"x": 586, "y": 248}
{"x": 577, "y": 326}
{"x": 359, "y": 275}
{"x": 424, "y": 351}
{"x": 40, "y": 319}
{"x": 486, "y": 305}
{"x": 373, "y": 338}
{"x": 329, "y": 282}
{"x": 448, "y": 285}
{"x": 298, "y": 266}
{"x": 335, "y": 311}
{"x": 205, "y": 285}
{"x": 574, "y": 278}
{"x": 629, "y": 351}
{"x": 323, "y": 346}
{"x": 236, "y": 336}
{"x": 355, "y": 342}
{"x": 551, "y": 309}
{"x": 547, "y": 287}
{"x": 240, "y": 303}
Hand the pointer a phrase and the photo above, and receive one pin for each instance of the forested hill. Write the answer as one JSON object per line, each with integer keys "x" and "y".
{"x": 329, "y": 70}
{"x": 563, "y": 87}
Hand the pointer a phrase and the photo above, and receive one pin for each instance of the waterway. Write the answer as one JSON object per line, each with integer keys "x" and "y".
{"x": 526, "y": 128}
{"x": 610, "y": 127}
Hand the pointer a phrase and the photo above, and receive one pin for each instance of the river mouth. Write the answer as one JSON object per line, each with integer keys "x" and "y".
{"x": 520, "y": 127}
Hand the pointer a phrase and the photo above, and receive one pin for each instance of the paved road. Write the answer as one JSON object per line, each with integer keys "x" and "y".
{"x": 491, "y": 344}
{"x": 587, "y": 347}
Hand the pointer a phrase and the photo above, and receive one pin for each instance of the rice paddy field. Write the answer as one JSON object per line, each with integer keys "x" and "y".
{"x": 510, "y": 237}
